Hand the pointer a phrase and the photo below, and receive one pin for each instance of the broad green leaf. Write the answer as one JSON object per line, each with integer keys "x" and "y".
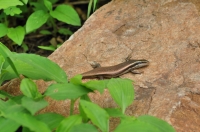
{"x": 76, "y": 80}
{"x": 29, "y": 88}
{"x": 114, "y": 112}
{"x": 17, "y": 99}
{"x": 5, "y": 52}
{"x": 51, "y": 119}
{"x": 66, "y": 91}
{"x": 38, "y": 5}
{"x": 99, "y": 85}
{"x": 7, "y": 3}
{"x": 16, "y": 34}
{"x": 12, "y": 66}
{"x": 45, "y": 32}
{"x": 12, "y": 11}
{"x": 25, "y": 47}
{"x": 83, "y": 128}
{"x": 25, "y": 1}
{"x": 8, "y": 125}
{"x": 3, "y": 30}
{"x": 65, "y": 31}
{"x": 53, "y": 1}
{"x": 28, "y": 121}
{"x": 98, "y": 116}
{"x": 4, "y": 94}
{"x": 33, "y": 105}
{"x": 68, "y": 123}
{"x": 37, "y": 67}
{"x": 5, "y": 75}
{"x": 158, "y": 123}
{"x": 134, "y": 125}
{"x": 67, "y": 14}
{"x": 36, "y": 20}
{"x": 48, "y": 4}
{"x": 121, "y": 91}
{"x": 9, "y": 107}
{"x": 85, "y": 119}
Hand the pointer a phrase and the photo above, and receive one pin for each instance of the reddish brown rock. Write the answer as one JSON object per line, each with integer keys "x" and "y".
{"x": 165, "y": 33}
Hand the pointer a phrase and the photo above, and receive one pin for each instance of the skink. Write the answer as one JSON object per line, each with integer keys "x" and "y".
{"x": 116, "y": 70}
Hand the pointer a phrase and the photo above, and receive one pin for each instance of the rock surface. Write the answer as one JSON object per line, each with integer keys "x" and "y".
{"x": 164, "y": 32}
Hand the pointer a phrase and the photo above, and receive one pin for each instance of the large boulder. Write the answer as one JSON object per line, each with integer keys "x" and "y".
{"x": 167, "y": 33}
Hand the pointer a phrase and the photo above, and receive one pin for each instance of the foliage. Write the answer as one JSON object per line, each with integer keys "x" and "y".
{"x": 23, "y": 110}
{"x": 91, "y": 6}
{"x": 36, "y": 14}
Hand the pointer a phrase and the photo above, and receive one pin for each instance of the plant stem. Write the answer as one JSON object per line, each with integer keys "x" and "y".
{"x": 72, "y": 106}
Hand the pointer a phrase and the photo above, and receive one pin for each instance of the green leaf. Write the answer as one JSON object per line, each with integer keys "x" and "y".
{"x": 163, "y": 126}
{"x": 2, "y": 61}
{"x": 94, "y": 4}
{"x": 65, "y": 31}
{"x": 36, "y": 20}
{"x": 29, "y": 88}
{"x": 34, "y": 105}
{"x": 89, "y": 8}
{"x": 12, "y": 11}
{"x": 10, "y": 107}
{"x": 7, "y": 3}
{"x": 38, "y": 5}
{"x": 45, "y": 32}
{"x": 83, "y": 128}
{"x": 37, "y": 67}
{"x": 85, "y": 119}
{"x": 114, "y": 112}
{"x": 8, "y": 125}
{"x": 51, "y": 47}
{"x": 16, "y": 34}
{"x": 12, "y": 66}
{"x": 98, "y": 85}
{"x": 76, "y": 80}
{"x": 51, "y": 119}
{"x": 66, "y": 14}
{"x": 134, "y": 125}
{"x": 68, "y": 123}
{"x": 48, "y": 5}
{"x": 98, "y": 116}
{"x": 65, "y": 91}
{"x": 122, "y": 92}
{"x": 25, "y": 1}
{"x": 28, "y": 121}
{"x": 25, "y": 47}
{"x": 3, "y": 29}
{"x": 5, "y": 52}
{"x": 5, "y": 75}
{"x": 3, "y": 96}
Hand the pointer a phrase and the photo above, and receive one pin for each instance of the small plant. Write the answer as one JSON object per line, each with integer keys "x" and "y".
{"x": 36, "y": 13}
{"x": 16, "y": 111}
{"x": 91, "y": 6}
